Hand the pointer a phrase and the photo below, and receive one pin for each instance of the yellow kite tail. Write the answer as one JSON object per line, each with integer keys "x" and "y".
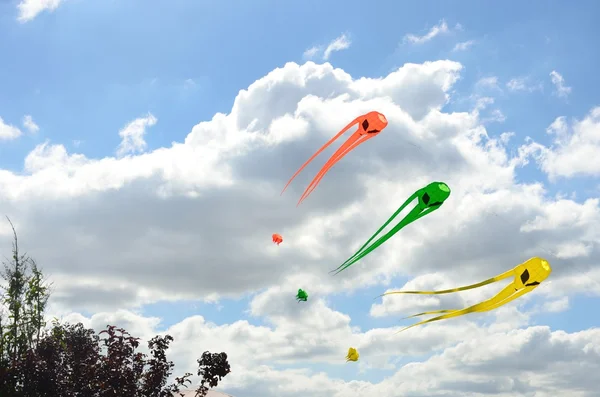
{"x": 431, "y": 312}
{"x": 506, "y": 295}
{"x": 494, "y": 279}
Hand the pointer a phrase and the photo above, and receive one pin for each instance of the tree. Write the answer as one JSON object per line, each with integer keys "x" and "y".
{"x": 213, "y": 368}
{"x": 71, "y": 360}
{"x": 25, "y": 298}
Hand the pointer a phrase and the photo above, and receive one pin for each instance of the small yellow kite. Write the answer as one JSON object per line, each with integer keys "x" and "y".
{"x": 352, "y": 355}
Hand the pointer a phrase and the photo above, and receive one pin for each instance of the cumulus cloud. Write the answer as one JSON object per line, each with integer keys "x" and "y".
{"x": 340, "y": 43}
{"x": 30, "y": 125}
{"x": 437, "y": 30}
{"x": 575, "y": 149}
{"x": 193, "y": 221}
{"x": 29, "y": 9}
{"x": 467, "y": 361}
{"x": 132, "y": 135}
{"x": 8, "y": 132}
{"x": 190, "y": 192}
{"x": 559, "y": 84}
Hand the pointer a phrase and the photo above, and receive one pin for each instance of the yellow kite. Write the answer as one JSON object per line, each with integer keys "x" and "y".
{"x": 527, "y": 276}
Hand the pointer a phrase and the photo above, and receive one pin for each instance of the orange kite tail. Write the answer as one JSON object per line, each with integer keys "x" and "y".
{"x": 346, "y": 128}
{"x": 337, "y": 156}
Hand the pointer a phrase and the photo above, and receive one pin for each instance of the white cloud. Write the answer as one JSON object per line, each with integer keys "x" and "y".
{"x": 30, "y": 125}
{"x": 522, "y": 84}
{"x": 559, "y": 83}
{"x": 194, "y": 220}
{"x": 490, "y": 82}
{"x": 483, "y": 102}
{"x": 205, "y": 174}
{"x": 133, "y": 135}
{"x": 8, "y": 131}
{"x": 467, "y": 360}
{"x": 463, "y": 46}
{"x": 29, "y": 9}
{"x": 436, "y": 30}
{"x": 556, "y": 306}
{"x": 338, "y": 44}
{"x": 575, "y": 149}
{"x": 517, "y": 84}
{"x": 495, "y": 115}
{"x": 311, "y": 52}
{"x": 189, "y": 84}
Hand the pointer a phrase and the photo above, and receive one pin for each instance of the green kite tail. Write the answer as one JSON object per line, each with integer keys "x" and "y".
{"x": 430, "y": 198}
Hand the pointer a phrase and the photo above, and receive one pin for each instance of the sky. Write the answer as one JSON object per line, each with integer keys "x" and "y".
{"x": 144, "y": 147}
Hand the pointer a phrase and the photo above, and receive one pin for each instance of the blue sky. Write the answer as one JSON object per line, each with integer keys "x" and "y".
{"x": 84, "y": 80}
{"x": 87, "y": 68}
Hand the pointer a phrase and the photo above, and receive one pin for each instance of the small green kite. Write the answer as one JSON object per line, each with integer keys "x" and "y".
{"x": 430, "y": 198}
{"x": 301, "y": 296}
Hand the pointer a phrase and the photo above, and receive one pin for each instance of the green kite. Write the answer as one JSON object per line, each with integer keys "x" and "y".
{"x": 430, "y": 198}
{"x": 301, "y": 296}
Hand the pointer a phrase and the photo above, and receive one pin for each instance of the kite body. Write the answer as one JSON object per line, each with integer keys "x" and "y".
{"x": 526, "y": 277}
{"x": 429, "y": 199}
{"x": 301, "y": 296}
{"x": 352, "y": 355}
{"x": 369, "y": 125}
{"x": 277, "y": 239}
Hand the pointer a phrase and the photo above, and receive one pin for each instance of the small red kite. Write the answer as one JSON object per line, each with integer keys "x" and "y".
{"x": 277, "y": 239}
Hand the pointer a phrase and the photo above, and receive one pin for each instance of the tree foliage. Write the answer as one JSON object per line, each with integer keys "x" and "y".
{"x": 71, "y": 360}
{"x": 212, "y": 368}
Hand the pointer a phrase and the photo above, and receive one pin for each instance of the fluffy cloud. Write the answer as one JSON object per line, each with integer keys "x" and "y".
{"x": 575, "y": 149}
{"x": 204, "y": 178}
{"x": 193, "y": 221}
{"x": 8, "y": 131}
{"x": 29, "y": 9}
{"x": 468, "y": 360}
{"x": 191, "y": 192}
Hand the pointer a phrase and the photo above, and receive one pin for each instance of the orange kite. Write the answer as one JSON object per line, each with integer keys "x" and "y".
{"x": 277, "y": 239}
{"x": 369, "y": 125}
